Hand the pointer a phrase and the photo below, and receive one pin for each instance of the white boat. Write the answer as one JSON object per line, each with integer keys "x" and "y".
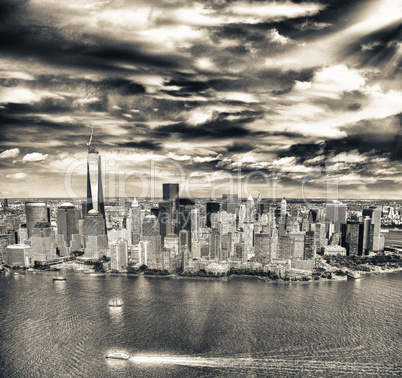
{"x": 354, "y": 275}
{"x": 118, "y": 355}
{"x": 115, "y": 302}
{"x": 59, "y": 278}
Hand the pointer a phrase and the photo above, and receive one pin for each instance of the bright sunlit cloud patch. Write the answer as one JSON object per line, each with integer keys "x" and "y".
{"x": 34, "y": 156}
{"x": 18, "y": 95}
{"x": 274, "y": 10}
{"x": 12, "y": 153}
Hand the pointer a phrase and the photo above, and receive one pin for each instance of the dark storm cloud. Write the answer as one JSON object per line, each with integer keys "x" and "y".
{"x": 96, "y": 91}
{"x": 235, "y": 32}
{"x": 377, "y": 137}
{"x": 47, "y": 105}
{"x": 53, "y": 105}
{"x": 348, "y": 100}
{"x": 302, "y": 151}
{"x": 9, "y": 8}
{"x": 189, "y": 86}
{"x": 123, "y": 86}
{"x": 222, "y": 129}
{"x": 143, "y": 144}
{"x": 65, "y": 83}
{"x": 17, "y": 123}
{"x": 109, "y": 52}
{"x": 281, "y": 77}
{"x": 335, "y": 15}
{"x": 47, "y": 44}
{"x": 240, "y": 147}
{"x": 276, "y": 80}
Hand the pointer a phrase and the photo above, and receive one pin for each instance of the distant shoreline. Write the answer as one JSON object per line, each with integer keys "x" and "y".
{"x": 175, "y": 276}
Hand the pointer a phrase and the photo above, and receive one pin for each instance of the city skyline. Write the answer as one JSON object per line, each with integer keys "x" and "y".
{"x": 302, "y": 92}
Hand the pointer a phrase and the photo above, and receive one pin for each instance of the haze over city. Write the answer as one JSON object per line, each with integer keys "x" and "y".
{"x": 290, "y": 89}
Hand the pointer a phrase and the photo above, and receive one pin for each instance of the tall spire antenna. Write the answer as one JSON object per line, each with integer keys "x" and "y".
{"x": 91, "y": 144}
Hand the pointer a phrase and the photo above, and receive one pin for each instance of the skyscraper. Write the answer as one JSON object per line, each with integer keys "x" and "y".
{"x": 212, "y": 207}
{"x": 43, "y": 242}
{"x": 376, "y": 238}
{"x": 283, "y": 210}
{"x": 297, "y": 243}
{"x": 94, "y": 235}
{"x": 248, "y": 237}
{"x": 352, "y": 236}
{"x": 194, "y": 224}
{"x": 165, "y": 218}
{"x": 309, "y": 245}
{"x": 36, "y": 212}
{"x": 151, "y": 233}
{"x": 230, "y": 203}
{"x": 336, "y": 213}
{"x": 263, "y": 248}
{"x": 135, "y": 222}
{"x": 67, "y": 222}
{"x": 170, "y": 192}
{"x": 18, "y": 255}
{"x": 366, "y": 236}
{"x": 95, "y": 198}
{"x": 250, "y": 209}
{"x": 215, "y": 245}
{"x": 119, "y": 255}
{"x": 184, "y": 215}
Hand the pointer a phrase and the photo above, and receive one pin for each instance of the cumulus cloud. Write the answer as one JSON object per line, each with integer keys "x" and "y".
{"x": 35, "y": 156}
{"x": 332, "y": 81}
{"x": 12, "y": 153}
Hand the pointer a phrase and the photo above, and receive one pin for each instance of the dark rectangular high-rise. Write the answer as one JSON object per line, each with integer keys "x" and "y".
{"x": 336, "y": 213}
{"x": 36, "y": 212}
{"x": 212, "y": 207}
{"x": 170, "y": 193}
{"x": 67, "y": 222}
{"x": 230, "y": 203}
{"x": 309, "y": 245}
{"x": 353, "y": 238}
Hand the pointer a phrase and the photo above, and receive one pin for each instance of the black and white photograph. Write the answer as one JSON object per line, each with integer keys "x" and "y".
{"x": 200, "y": 188}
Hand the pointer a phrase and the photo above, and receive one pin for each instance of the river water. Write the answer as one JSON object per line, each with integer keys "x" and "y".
{"x": 191, "y": 328}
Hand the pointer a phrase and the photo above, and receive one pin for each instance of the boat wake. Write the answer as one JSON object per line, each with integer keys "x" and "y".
{"x": 273, "y": 364}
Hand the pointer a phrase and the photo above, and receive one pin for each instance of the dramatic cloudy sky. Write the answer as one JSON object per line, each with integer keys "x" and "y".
{"x": 270, "y": 96}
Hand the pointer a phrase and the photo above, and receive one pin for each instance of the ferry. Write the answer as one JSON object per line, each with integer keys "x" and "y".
{"x": 59, "y": 278}
{"x": 115, "y": 302}
{"x": 118, "y": 355}
{"x": 97, "y": 274}
{"x": 354, "y": 275}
